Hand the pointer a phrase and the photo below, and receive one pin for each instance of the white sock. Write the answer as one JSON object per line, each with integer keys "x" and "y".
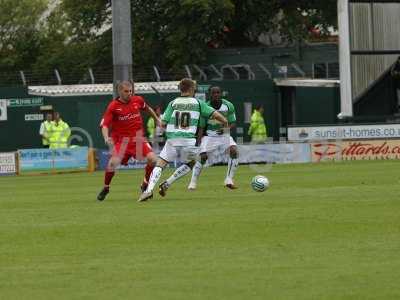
{"x": 180, "y": 172}
{"x": 196, "y": 172}
{"x": 232, "y": 166}
{"x": 154, "y": 177}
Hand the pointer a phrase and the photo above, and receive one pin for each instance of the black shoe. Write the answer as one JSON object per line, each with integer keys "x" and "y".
{"x": 231, "y": 186}
{"x": 143, "y": 186}
{"x": 102, "y": 195}
{"x": 163, "y": 189}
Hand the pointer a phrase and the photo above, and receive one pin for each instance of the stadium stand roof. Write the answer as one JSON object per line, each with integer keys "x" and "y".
{"x": 307, "y": 82}
{"x": 101, "y": 89}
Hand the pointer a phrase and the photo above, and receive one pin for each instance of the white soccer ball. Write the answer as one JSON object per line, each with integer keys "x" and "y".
{"x": 259, "y": 183}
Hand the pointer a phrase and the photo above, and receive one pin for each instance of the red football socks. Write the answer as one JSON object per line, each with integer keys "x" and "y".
{"x": 108, "y": 177}
{"x": 147, "y": 172}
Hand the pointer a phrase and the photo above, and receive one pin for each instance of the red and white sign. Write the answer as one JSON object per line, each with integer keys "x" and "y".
{"x": 356, "y": 150}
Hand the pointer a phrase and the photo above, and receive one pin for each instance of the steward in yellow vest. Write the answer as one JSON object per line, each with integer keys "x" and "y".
{"x": 60, "y": 133}
{"x": 45, "y": 130}
{"x": 258, "y": 130}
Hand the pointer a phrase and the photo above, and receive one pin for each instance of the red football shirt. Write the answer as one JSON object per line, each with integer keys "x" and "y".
{"x": 124, "y": 119}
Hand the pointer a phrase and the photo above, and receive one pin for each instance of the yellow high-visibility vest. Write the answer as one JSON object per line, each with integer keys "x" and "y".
{"x": 47, "y": 133}
{"x": 257, "y": 130}
{"x": 151, "y": 126}
{"x": 60, "y": 135}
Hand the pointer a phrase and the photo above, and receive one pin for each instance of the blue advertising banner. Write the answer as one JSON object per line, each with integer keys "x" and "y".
{"x": 248, "y": 154}
{"x": 104, "y": 155}
{"x": 65, "y": 159}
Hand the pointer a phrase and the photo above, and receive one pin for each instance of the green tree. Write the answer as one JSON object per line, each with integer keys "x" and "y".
{"x": 176, "y": 32}
{"x": 292, "y": 19}
{"x": 250, "y": 19}
{"x": 169, "y": 33}
{"x": 20, "y": 32}
{"x": 86, "y": 19}
{"x": 74, "y": 38}
{"x": 302, "y": 15}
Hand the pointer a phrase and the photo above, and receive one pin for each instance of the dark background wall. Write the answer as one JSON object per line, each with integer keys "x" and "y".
{"x": 317, "y": 105}
{"x": 312, "y": 106}
{"x": 312, "y": 59}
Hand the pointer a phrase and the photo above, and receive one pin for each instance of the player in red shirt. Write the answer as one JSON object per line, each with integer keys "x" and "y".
{"x": 122, "y": 129}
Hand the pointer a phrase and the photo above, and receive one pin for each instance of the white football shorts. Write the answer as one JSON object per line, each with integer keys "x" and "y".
{"x": 185, "y": 150}
{"x": 214, "y": 143}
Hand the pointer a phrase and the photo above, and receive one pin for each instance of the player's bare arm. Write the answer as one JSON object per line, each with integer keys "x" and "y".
{"x": 152, "y": 113}
{"x": 223, "y": 130}
{"x": 107, "y": 139}
{"x": 200, "y": 134}
{"x": 163, "y": 124}
{"x": 220, "y": 118}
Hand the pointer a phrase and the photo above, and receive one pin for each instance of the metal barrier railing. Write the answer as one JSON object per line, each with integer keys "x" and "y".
{"x": 242, "y": 71}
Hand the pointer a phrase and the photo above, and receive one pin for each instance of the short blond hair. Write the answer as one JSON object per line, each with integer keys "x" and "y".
{"x": 186, "y": 85}
{"x": 123, "y": 84}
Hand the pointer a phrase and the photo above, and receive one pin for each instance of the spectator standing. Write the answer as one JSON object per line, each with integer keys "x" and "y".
{"x": 46, "y": 130}
{"x": 258, "y": 130}
{"x": 60, "y": 132}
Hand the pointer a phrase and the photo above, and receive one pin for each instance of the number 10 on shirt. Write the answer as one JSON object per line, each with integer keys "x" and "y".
{"x": 182, "y": 120}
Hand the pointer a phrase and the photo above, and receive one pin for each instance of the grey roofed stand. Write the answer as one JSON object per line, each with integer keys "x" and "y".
{"x": 369, "y": 45}
{"x": 306, "y": 82}
{"x": 101, "y": 89}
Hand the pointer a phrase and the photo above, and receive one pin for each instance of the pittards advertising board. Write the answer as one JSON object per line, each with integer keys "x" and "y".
{"x": 355, "y": 150}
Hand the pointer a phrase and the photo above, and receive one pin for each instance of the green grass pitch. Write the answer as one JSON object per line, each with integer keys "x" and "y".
{"x": 322, "y": 231}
